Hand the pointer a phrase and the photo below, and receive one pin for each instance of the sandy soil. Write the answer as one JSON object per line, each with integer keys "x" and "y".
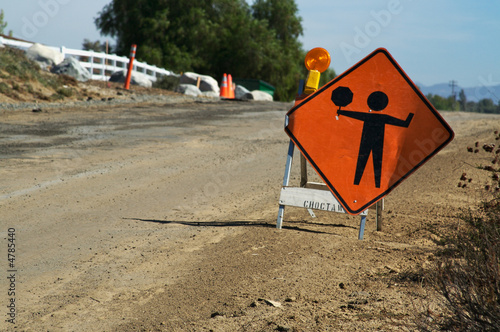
{"x": 161, "y": 217}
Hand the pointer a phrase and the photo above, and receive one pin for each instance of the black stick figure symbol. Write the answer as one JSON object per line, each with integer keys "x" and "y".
{"x": 372, "y": 137}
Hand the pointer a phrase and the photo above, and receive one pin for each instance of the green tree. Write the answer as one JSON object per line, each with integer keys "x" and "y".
{"x": 438, "y": 102}
{"x": 285, "y": 65}
{"x": 282, "y": 17}
{"x": 462, "y": 100}
{"x": 471, "y": 106}
{"x": 3, "y": 24}
{"x": 212, "y": 37}
{"x": 483, "y": 106}
{"x": 486, "y": 106}
{"x": 96, "y": 46}
{"x": 442, "y": 103}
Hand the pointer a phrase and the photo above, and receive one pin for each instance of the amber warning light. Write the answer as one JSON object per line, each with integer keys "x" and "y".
{"x": 317, "y": 61}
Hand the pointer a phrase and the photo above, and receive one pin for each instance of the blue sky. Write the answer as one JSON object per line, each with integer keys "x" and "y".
{"x": 433, "y": 41}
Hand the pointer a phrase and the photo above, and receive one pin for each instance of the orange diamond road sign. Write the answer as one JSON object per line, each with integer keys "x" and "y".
{"x": 367, "y": 130}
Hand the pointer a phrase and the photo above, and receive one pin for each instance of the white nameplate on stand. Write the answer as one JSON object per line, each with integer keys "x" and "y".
{"x": 312, "y": 199}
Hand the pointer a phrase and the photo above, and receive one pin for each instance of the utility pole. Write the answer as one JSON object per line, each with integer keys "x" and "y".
{"x": 453, "y": 84}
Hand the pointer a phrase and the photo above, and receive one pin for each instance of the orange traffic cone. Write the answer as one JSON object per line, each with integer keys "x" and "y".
{"x": 224, "y": 90}
{"x": 230, "y": 86}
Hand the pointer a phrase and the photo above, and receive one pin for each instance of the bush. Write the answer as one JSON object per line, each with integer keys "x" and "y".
{"x": 65, "y": 92}
{"x": 467, "y": 274}
{"x": 15, "y": 67}
{"x": 469, "y": 278}
{"x": 14, "y": 63}
{"x": 4, "y": 88}
{"x": 167, "y": 83}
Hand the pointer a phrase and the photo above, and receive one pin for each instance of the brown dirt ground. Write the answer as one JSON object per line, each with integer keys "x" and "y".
{"x": 161, "y": 217}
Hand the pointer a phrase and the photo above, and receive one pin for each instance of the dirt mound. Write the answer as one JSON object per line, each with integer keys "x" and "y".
{"x": 21, "y": 80}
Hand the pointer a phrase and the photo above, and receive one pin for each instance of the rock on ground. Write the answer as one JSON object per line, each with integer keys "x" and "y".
{"x": 210, "y": 94}
{"x": 45, "y": 56}
{"x": 72, "y": 67}
{"x": 240, "y": 92}
{"x": 207, "y": 83}
{"x": 137, "y": 78}
{"x": 261, "y": 95}
{"x": 188, "y": 89}
{"x": 192, "y": 90}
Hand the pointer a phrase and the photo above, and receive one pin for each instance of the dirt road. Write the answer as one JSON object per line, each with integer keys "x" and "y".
{"x": 162, "y": 218}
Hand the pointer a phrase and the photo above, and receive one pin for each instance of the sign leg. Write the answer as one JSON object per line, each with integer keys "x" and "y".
{"x": 362, "y": 227}
{"x": 379, "y": 215}
{"x": 286, "y": 180}
{"x": 303, "y": 171}
{"x": 281, "y": 212}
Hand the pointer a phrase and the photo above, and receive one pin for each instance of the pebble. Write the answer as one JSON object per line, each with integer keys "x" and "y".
{"x": 359, "y": 294}
{"x": 216, "y": 314}
{"x": 271, "y": 302}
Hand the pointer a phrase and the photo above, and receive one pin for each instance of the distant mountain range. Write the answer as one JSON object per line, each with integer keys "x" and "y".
{"x": 473, "y": 94}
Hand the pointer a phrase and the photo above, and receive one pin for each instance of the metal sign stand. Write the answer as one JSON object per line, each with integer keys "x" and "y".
{"x": 310, "y": 195}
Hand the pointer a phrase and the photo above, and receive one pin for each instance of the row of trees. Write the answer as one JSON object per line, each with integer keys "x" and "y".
{"x": 451, "y": 103}
{"x": 213, "y": 37}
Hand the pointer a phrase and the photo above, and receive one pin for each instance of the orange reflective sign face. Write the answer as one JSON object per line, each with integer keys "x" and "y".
{"x": 367, "y": 130}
